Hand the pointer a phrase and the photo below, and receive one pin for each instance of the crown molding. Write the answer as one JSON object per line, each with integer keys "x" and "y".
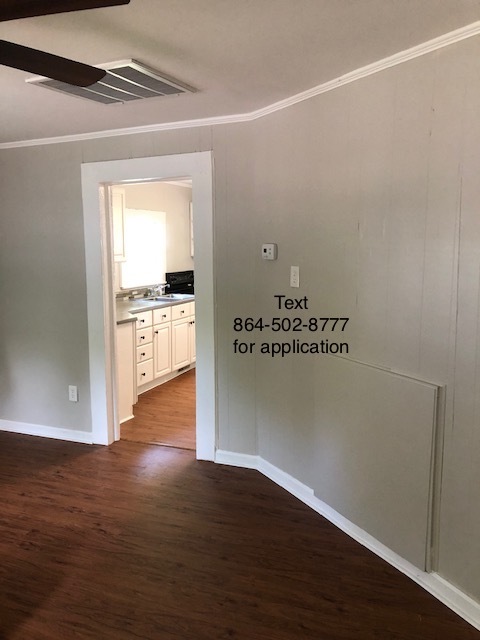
{"x": 425, "y": 48}
{"x": 445, "y": 40}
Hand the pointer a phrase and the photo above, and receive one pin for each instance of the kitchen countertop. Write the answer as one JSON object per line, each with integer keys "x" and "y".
{"x": 126, "y": 309}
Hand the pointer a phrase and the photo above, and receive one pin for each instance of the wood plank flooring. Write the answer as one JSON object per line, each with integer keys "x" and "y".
{"x": 165, "y": 415}
{"x": 138, "y": 541}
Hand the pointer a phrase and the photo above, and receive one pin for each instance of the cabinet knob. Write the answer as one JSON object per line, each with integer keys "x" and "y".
{"x": 156, "y": 331}
{"x": 142, "y": 320}
{"x": 142, "y": 354}
{"x": 144, "y": 374}
{"x": 142, "y": 337}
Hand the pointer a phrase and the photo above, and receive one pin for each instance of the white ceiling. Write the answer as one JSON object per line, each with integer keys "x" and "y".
{"x": 240, "y": 55}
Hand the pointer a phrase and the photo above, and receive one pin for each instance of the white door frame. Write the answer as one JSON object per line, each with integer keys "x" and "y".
{"x": 100, "y": 297}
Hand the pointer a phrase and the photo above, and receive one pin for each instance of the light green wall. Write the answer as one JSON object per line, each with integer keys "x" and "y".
{"x": 371, "y": 189}
{"x": 42, "y": 287}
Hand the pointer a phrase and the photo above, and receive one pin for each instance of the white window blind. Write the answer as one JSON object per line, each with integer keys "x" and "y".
{"x": 145, "y": 248}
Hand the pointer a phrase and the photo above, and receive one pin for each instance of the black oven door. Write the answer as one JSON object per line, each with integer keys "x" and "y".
{"x": 180, "y": 282}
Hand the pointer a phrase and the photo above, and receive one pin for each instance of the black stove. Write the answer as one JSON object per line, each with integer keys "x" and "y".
{"x": 180, "y": 282}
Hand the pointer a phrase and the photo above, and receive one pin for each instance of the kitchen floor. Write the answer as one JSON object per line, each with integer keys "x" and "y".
{"x": 165, "y": 415}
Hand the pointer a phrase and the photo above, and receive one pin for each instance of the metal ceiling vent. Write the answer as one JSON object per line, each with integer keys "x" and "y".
{"x": 125, "y": 81}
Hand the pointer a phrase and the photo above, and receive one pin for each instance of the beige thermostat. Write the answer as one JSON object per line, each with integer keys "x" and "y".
{"x": 269, "y": 251}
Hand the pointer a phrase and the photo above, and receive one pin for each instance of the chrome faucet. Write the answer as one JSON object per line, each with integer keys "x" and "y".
{"x": 157, "y": 289}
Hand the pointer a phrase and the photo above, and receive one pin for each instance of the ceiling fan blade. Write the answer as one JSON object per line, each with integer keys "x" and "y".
{"x": 15, "y": 9}
{"x": 46, "y": 64}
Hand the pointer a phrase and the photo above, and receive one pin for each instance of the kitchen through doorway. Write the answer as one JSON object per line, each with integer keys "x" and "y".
{"x": 165, "y": 415}
{"x": 153, "y": 282}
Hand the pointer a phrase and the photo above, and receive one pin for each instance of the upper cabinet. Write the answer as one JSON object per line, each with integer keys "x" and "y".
{"x": 118, "y": 217}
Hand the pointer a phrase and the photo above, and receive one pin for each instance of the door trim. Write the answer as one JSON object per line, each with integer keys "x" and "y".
{"x": 100, "y": 297}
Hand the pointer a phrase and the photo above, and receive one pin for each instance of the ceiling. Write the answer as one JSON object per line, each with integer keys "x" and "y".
{"x": 240, "y": 55}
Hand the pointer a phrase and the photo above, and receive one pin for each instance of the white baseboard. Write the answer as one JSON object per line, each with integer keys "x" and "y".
{"x": 236, "y": 459}
{"x": 448, "y": 594}
{"x": 57, "y": 433}
{"x": 288, "y": 482}
{"x": 458, "y": 601}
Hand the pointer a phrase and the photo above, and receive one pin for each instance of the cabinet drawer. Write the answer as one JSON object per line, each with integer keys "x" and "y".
{"x": 144, "y": 372}
{"x": 145, "y": 352}
{"x": 144, "y": 336}
{"x": 180, "y": 311}
{"x": 162, "y": 315}
{"x": 144, "y": 319}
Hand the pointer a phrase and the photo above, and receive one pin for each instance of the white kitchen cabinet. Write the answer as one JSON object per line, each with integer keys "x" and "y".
{"x": 144, "y": 372}
{"x": 193, "y": 349}
{"x": 183, "y": 335}
{"x": 144, "y": 350}
{"x": 144, "y": 336}
{"x": 144, "y": 319}
{"x": 118, "y": 218}
{"x": 126, "y": 383}
{"x": 181, "y": 311}
{"x": 162, "y": 359}
{"x": 180, "y": 343}
{"x": 162, "y": 315}
{"x": 166, "y": 343}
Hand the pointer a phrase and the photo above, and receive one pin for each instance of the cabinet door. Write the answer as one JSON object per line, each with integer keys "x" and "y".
{"x": 118, "y": 208}
{"x": 180, "y": 344}
{"x": 162, "y": 360}
{"x": 193, "y": 351}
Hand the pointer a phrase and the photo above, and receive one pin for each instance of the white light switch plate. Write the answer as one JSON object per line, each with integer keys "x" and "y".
{"x": 295, "y": 277}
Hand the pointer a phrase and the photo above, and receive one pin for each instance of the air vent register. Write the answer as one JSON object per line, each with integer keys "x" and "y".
{"x": 125, "y": 81}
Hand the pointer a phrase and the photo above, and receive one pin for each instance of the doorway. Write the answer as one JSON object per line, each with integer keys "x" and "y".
{"x": 165, "y": 415}
{"x": 153, "y": 256}
{"x": 100, "y": 301}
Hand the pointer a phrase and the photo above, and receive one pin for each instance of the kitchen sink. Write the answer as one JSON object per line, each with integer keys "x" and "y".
{"x": 172, "y": 296}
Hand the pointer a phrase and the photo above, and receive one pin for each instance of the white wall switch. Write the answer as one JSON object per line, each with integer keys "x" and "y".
{"x": 72, "y": 393}
{"x": 269, "y": 251}
{"x": 295, "y": 277}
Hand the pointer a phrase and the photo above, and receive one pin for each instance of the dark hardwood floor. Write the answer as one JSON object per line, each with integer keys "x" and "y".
{"x": 138, "y": 541}
{"x": 165, "y": 415}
